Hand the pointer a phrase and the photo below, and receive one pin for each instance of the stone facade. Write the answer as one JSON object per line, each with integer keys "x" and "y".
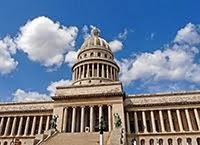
{"x": 147, "y": 119}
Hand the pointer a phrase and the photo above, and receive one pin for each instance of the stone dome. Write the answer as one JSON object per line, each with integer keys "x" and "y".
{"x": 95, "y": 41}
{"x": 95, "y": 62}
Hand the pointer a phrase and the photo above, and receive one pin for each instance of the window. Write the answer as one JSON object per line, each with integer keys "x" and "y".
{"x": 142, "y": 142}
{"x": 92, "y": 54}
{"x": 179, "y": 141}
{"x": 105, "y": 55}
{"x": 170, "y": 141}
{"x": 160, "y": 141}
{"x": 99, "y": 54}
{"x": 198, "y": 141}
{"x": 85, "y": 55}
{"x": 189, "y": 141}
{"x": 151, "y": 142}
{"x": 5, "y": 143}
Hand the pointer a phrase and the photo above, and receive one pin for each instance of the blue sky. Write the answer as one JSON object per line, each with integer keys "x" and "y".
{"x": 156, "y": 43}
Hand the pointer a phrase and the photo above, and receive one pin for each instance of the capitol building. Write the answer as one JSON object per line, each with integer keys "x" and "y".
{"x": 96, "y": 93}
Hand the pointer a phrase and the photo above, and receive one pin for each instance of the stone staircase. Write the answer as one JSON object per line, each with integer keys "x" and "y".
{"x": 73, "y": 139}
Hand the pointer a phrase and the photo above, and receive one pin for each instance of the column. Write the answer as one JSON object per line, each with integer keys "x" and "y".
{"x": 91, "y": 118}
{"x": 197, "y": 117}
{"x": 82, "y": 118}
{"x": 13, "y": 126}
{"x": 161, "y": 121}
{"x": 1, "y": 125}
{"x": 170, "y": 120}
{"x": 102, "y": 71}
{"x": 97, "y": 69}
{"x": 111, "y": 72}
{"x": 27, "y": 126}
{"x": 107, "y": 72}
{"x": 188, "y": 119}
{"x": 47, "y": 123}
{"x": 179, "y": 120}
{"x": 73, "y": 119}
{"x": 20, "y": 126}
{"x": 109, "y": 118}
{"x": 33, "y": 126}
{"x": 83, "y": 76}
{"x": 7, "y": 126}
{"x": 65, "y": 120}
{"x": 100, "y": 112}
{"x": 79, "y": 72}
{"x": 88, "y": 70}
{"x": 93, "y": 70}
{"x": 153, "y": 121}
{"x": 128, "y": 122}
{"x": 40, "y": 125}
{"x": 114, "y": 74}
{"x": 144, "y": 121}
{"x": 136, "y": 122}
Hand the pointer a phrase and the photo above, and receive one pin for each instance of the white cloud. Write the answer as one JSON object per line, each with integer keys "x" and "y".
{"x": 7, "y": 49}
{"x": 52, "y": 87}
{"x": 123, "y": 35}
{"x": 173, "y": 63}
{"x": 22, "y": 96}
{"x": 115, "y": 45}
{"x": 71, "y": 58}
{"x": 189, "y": 34}
{"x": 46, "y": 41}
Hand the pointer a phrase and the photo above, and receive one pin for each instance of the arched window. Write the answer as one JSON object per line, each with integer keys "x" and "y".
{"x": 99, "y": 54}
{"x": 5, "y": 143}
{"x": 151, "y": 142}
{"x": 92, "y": 54}
{"x": 198, "y": 141}
{"x": 142, "y": 142}
{"x": 170, "y": 142}
{"x": 160, "y": 141}
{"x": 189, "y": 141}
{"x": 179, "y": 141}
{"x": 105, "y": 55}
{"x": 85, "y": 55}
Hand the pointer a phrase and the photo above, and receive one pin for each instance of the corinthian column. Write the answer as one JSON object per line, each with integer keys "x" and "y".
{"x": 33, "y": 126}
{"x": 161, "y": 121}
{"x": 65, "y": 120}
{"x": 109, "y": 118}
{"x": 153, "y": 121}
{"x": 82, "y": 118}
{"x": 100, "y": 112}
{"x": 136, "y": 122}
{"x": 73, "y": 119}
{"x": 47, "y": 123}
{"x": 188, "y": 119}
{"x": 144, "y": 121}
{"x": 27, "y": 125}
{"x": 170, "y": 120}
{"x": 13, "y": 126}
{"x": 197, "y": 117}
{"x": 128, "y": 122}
{"x": 91, "y": 118}
{"x": 20, "y": 126}
{"x": 40, "y": 125}
{"x": 179, "y": 120}
{"x": 1, "y": 125}
{"x": 7, "y": 126}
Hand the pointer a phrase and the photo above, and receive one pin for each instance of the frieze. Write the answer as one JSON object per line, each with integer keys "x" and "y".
{"x": 25, "y": 107}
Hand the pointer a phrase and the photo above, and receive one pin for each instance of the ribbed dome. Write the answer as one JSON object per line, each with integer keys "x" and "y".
{"x": 95, "y": 41}
{"x": 95, "y": 62}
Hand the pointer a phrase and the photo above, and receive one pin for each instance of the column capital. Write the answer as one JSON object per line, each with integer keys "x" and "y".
{"x": 82, "y": 106}
{"x": 109, "y": 105}
{"x": 101, "y": 105}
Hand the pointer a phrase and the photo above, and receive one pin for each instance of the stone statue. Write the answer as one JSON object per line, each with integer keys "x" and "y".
{"x": 118, "y": 122}
{"x": 53, "y": 123}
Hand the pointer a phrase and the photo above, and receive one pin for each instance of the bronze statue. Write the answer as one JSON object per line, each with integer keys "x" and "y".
{"x": 53, "y": 123}
{"x": 118, "y": 122}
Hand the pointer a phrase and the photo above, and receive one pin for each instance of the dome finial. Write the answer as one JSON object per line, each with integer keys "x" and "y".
{"x": 95, "y": 32}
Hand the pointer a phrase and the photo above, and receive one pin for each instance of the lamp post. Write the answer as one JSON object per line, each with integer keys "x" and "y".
{"x": 102, "y": 126}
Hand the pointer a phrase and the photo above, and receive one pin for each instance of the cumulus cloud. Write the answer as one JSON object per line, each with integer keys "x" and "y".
{"x": 7, "y": 49}
{"x": 175, "y": 62}
{"x": 189, "y": 35}
{"x": 71, "y": 58}
{"x": 115, "y": 45}
{"x": 45, "y": 41}
{"x": 22, "y": 96}
{"x": 52, "y": 87}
